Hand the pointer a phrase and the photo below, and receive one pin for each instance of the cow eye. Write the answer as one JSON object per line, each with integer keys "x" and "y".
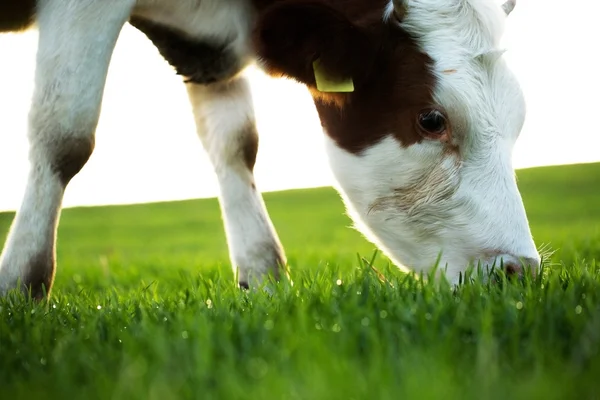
{"x": 432, "y": 123}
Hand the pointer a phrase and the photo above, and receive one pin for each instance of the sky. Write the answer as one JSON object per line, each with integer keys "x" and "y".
{"x": 147, "y": 149}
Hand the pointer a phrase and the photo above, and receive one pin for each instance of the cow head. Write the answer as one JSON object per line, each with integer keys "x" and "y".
{"x": 421, "y": 116}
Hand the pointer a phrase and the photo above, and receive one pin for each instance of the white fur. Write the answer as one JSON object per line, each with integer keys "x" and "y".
{"x": 424, "y": 201}
{"x": 224, "y": 118}
{"x": 224, "y": 113}
{"x": 72, "y": 63}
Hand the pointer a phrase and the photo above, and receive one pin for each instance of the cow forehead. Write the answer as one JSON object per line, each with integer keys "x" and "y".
{"x": 461, "y": 37}
{"x": 473, "y": 82}
{"x": 454, "y": 28}
{"x": 455, "y": 34}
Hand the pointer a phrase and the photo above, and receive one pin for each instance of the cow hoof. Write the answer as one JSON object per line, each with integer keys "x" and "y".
{"x": 262, "y": 265}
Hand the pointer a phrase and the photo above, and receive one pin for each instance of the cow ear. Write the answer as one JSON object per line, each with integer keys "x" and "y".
{"x": 294, "y": 38}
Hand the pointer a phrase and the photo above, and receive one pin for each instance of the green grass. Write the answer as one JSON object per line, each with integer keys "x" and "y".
{"x": 144, "y": 307}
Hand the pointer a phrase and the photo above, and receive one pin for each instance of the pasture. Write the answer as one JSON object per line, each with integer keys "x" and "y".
{"x": 145, "y": 307}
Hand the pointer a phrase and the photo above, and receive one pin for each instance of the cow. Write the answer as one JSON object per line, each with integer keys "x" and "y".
{"x": 419, "y": 110}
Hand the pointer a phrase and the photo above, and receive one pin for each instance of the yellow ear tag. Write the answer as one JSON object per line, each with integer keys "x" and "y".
{"x": 325, "y": 84}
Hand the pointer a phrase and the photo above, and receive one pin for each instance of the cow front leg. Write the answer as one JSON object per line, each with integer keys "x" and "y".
{"x": 225, "y": 121}
{"x": 76, "y": 41}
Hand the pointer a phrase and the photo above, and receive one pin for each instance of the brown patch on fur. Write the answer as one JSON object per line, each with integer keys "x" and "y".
{"x": 40, "y": 276}
{"x": 16, "y": 15}
{"x": 250, "y": 145}
{"x": 71, "y": 155}
{"x": 391, "y": 76}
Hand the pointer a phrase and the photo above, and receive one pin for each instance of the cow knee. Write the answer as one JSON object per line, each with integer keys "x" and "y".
{"x": 70, "y": 155}
{"x": 64, "y": 154}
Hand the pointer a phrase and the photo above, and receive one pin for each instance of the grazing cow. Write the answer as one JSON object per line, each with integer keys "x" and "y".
{"x": 419, "y": 110}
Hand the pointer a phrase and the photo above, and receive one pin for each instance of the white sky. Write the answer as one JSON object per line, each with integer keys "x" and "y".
{"x": 147, "y": 148}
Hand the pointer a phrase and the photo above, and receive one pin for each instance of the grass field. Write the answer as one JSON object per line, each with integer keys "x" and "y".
{"x": 145, "y": 307}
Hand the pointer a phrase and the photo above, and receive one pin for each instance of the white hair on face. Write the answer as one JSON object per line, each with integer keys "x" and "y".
{"x": 472, "y": 81}
{"x": 460, "y": 198}
{"x": 475, "y": 26}
{"x": 462, "y": 38}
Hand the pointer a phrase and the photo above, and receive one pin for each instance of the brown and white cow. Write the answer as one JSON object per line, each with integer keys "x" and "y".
{"x": 420, "y": 118}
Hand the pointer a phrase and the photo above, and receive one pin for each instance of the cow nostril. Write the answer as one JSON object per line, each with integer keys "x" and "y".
{"x": 516, "y": 267}
{"x": 513, "y": 270}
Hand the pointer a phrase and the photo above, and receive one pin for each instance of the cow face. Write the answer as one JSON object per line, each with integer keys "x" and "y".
{"x": 421, "y": 120}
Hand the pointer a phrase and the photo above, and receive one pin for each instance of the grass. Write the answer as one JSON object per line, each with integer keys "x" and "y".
{"x": 144, "y": 307}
